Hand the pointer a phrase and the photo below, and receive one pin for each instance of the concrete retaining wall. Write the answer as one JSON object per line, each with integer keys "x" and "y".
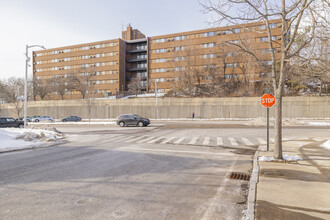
{"x": 242, "y": 107}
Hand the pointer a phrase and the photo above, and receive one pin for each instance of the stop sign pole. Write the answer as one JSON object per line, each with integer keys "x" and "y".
{"x": 267, "y": 100}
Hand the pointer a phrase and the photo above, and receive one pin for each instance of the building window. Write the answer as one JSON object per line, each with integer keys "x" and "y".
{"x": 162, "y": 40}
{"x": 263, "y": 27}
{"x": 231, "y": 76}
{"x": 179, "y": 48}
{"x": 230, "y": 65}
{"x": 209, "y": 34}
{"x": 209, "y": 45}
{"x": 111, "y": 44}
{"x": 163, "y": 50}
{"x": 272, "y": 25}
{"x": 263, "y": 39}
{"x": 160, "y": 60}
{"x": 179, "y": 38}
{"x": 235, "y": 30}
{"x": 207, "y": 56}
{"x": 273, "y": 38}
{"x": 160, "y": 70}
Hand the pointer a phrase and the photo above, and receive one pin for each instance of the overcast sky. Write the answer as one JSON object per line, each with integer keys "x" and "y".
{"x": 56, "y": 23}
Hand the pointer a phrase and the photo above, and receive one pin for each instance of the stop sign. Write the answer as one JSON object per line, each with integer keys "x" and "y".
{"x": 268, "y": 100}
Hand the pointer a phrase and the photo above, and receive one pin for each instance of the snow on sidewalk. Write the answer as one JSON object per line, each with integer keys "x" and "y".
{"x": 285, "y": 157}
{"x": 16, "y": 139}
{"x": 326, "y": 144}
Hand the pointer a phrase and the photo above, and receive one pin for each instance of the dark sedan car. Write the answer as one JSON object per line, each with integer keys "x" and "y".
{"x": 132, "y": 120}
{"x": 6, "y": 122}
{"x": 71, "y": 118}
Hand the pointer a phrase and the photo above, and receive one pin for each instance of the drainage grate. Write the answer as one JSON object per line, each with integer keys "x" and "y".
{"x": 239, "y": 176}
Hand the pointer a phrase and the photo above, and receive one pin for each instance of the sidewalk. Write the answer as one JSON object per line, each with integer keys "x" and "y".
{"x": 296, "y": 189}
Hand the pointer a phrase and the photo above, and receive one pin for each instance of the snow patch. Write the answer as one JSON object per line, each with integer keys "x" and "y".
{"x": 15, "y": 138}
{"x": 318, "y": 123}
{"x": 326, "y": 144}
{"x": 285, "y": 157}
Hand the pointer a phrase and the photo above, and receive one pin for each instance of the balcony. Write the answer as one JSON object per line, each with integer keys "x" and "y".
{"x": 136, "y": 60}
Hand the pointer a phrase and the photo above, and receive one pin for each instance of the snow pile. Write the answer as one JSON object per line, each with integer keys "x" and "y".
{"x": 285, "y": 157}
{"x": 15, "y": 139}
{"x": 318, "y": 123}
{"x": 326, "y": 144}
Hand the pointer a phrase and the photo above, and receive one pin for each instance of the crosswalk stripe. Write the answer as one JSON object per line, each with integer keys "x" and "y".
{"x": 154, "y": 140}
{"x": 261, "y": 141}
{"x": 119, "y": 138}
{"x": 246, "y": 141}
{"x": 168, "y": 140}
{"x": 134, "y": 139}
{"x": 145, "y": 140}
{"x": 193, "y": 141}
{"x": 179, "y": 140}
{"x": 232, "y": 141}
{"x": 206, "y": 141}
{"x": 219, "y": 141}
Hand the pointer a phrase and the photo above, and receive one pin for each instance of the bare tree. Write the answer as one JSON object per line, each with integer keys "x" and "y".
{"x": 293, "y": 17}
{"x": 135, "y": 85}
{"x": 13, "y": 89}
{"x": 61, "y": 85}
{"x": 83, "y": 81}
{"x": 41, "y": 88}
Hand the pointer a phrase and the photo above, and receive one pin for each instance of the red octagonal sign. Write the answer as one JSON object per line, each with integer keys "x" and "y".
{"x": 268, "y": 100}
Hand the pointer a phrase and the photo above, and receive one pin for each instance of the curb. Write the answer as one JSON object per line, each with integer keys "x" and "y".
{"x": 253, "y": 188}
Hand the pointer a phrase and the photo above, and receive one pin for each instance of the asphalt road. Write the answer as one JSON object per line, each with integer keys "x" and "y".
{"x": 170, "y": 170}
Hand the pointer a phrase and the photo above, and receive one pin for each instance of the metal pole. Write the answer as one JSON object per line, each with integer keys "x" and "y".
{"x": 267, "y": 129}
{"x": 25, "y": 84}
{"x": 156, "y": 99}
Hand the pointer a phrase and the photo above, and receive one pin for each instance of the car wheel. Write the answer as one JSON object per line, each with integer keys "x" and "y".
{"x": 140, "y": 124}
{"x": 121, "y": 124}
{"x": 37, "y": 120}
{"x": 63, "y": 120}
{"x": 21, "y": 126}
{"x": 50, "y": 120}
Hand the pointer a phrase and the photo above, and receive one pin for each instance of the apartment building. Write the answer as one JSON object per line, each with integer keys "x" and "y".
{"x": 112, "y": 64}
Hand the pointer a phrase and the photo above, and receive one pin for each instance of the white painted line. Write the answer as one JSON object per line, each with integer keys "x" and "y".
{"x": 168, "y": 140}
{"x": 206, "y": 141}
{"x": 219, "y": 141}
{"x": 145, "y": 140}
{"x": 214, "y": 202}
{"x": 135, "y": 139}
{"x": 193, "y": 141}
{"x": 261, "y": 141}
{"x": 130, "y": 138}
{"x": 179, "y": 140}
{"x": 154, "y": 140}
{"x": 247, "y": 142}
{"x": 177, "y": 151}
{"x": 120, "y": 138}
{"x": 232, "y": 141}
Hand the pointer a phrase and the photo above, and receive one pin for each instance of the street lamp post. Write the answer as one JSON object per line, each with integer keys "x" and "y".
{"x": 26, "y": 78}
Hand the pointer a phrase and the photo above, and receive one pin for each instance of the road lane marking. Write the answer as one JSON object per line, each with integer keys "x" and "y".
{"x": 261, "y": 141}
{"x": 232, "y": 141}
{"x": 135, "y": 139}
{"x": 154, "y": 140}
{"x": 206, "y": 141}
{"x": 168, "y": 140}
{"x": 177, "y": 151}
{"x": 179, "y": 140}
{"x": 219, "y": 141}
{"x": 216, "y": 200}
{"x": 193, "y": 141}
{"x": 246, "y": 141}
{"x": 145, "y": 140}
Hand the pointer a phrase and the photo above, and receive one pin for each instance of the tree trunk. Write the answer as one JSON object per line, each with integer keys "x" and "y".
{"x": 278, "y": 126}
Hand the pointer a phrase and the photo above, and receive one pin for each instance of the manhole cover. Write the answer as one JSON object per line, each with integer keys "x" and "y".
{"x": 239, "y": 176}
